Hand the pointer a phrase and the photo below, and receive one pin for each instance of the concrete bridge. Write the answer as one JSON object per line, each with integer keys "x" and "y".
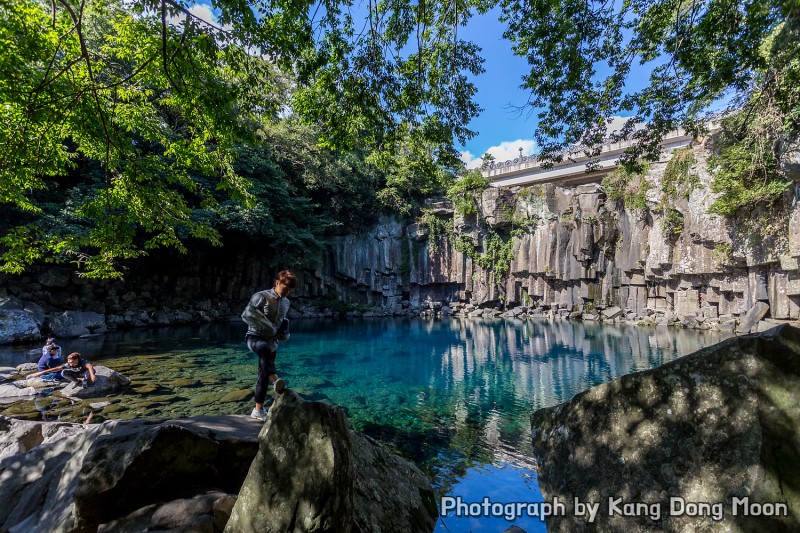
{"x": 526, "y": 170}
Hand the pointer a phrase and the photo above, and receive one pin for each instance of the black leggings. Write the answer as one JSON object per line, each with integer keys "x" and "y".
{"x": 73, "y": 375}
{"x": 266, "y": 365}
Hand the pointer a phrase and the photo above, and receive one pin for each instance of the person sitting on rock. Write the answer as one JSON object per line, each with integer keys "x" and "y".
{"x": 46, "y": 348}
{"x": 51, "y": 358}
{"x": 79, "y": 370}
{"x": 76, "y": 370}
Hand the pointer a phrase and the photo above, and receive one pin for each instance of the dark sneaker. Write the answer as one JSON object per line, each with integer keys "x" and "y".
{"x": 280, "y": 385}
{"x": 85, "y": 384}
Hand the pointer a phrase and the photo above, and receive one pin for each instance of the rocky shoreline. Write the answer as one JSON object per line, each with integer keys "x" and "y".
{"x": 24, "y": 322}
{"x": 302, "y": 469}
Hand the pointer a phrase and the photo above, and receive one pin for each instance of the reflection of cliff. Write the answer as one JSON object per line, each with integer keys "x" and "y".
{"x": 484, "y": 379}
{"x": 543, "y": 363}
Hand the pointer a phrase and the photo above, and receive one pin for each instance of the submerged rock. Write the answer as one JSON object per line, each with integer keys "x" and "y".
{"x": 312, "y": 473}
{"x": 719, "y": 427}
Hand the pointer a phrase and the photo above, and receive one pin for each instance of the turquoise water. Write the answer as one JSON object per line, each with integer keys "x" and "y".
{"x": 453, "y": 395}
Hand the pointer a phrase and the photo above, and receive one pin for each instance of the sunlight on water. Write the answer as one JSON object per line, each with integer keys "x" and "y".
{"x": 455, "y": 396}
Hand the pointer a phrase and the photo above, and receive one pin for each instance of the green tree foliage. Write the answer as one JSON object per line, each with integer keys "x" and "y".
{"x": 152, "y": 106}
{"x": 581, "y": 54}
{"x": 747, "y": 168}
{"x": 464, "y": 190}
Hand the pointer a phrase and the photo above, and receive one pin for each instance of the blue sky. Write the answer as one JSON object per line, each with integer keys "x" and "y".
{"x": 501, "y": 128}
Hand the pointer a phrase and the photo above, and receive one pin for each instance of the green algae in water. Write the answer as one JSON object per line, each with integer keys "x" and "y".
{"x": 455, "y": 395}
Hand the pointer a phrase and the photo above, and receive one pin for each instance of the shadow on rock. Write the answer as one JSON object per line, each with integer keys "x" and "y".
{"x": 312, "y": 473}
{"x": 720, "y": 427}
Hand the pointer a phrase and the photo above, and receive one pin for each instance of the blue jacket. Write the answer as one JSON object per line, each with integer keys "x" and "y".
{"x": 49, "y": 361}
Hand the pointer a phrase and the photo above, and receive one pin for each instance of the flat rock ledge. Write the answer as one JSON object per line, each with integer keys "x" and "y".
{"x": 304, "y": 470}
{"x": 709, "y": 442}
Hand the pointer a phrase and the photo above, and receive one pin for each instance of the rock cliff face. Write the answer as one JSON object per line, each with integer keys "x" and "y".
{"x": 574, "y": 252}
{"x": 718, "y": 427}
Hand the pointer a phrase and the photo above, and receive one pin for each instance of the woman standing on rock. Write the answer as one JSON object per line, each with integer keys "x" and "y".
{"x": 265, "y": 316}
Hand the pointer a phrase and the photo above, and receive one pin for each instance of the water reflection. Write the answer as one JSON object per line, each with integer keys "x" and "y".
{"x": 453, "y": 395}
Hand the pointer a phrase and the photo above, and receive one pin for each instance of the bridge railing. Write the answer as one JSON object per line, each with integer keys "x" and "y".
{"x": 574, "y": 153}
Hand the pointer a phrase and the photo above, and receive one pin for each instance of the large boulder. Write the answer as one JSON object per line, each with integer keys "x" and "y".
{"x": 70, "y": 324}
{"x": 19, "y": 436}
{"x": 108, "y": 382}
{"x": 19, "y": 321}
{"x": 109, "y": 471}
{"x": 312, "y": 473}
{"x": 751, "y": 317}
{"x": 687, "y": 446}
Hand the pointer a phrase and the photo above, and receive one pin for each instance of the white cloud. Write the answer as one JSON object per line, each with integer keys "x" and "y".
{"x": 470, "y": 161}
{"x": 509, "y": 150}
{"x": 502, "y": 152}
{"x": 203, "y": 12}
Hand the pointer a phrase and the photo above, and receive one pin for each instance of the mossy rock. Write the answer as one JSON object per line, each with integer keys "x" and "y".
{"x": 17, "y": 409}
{"x": 146, "y": 389}
{"x": 237, "y": 396}
{"x": 184, "y": 382}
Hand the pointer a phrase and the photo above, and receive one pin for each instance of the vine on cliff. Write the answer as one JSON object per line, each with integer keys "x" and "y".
{"x": 678, "y": 179}
{"x": 497, "y": 254}
{"x": 748, "y": 169}
{"x": 628, "y": 186}
{"x": 463, "y": 191}
{"x": 437, "y": 228}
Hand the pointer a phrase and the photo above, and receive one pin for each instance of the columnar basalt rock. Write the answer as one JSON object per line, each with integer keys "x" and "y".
{"x": 573, "y": 250}
{"x": 672, "y": 263}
